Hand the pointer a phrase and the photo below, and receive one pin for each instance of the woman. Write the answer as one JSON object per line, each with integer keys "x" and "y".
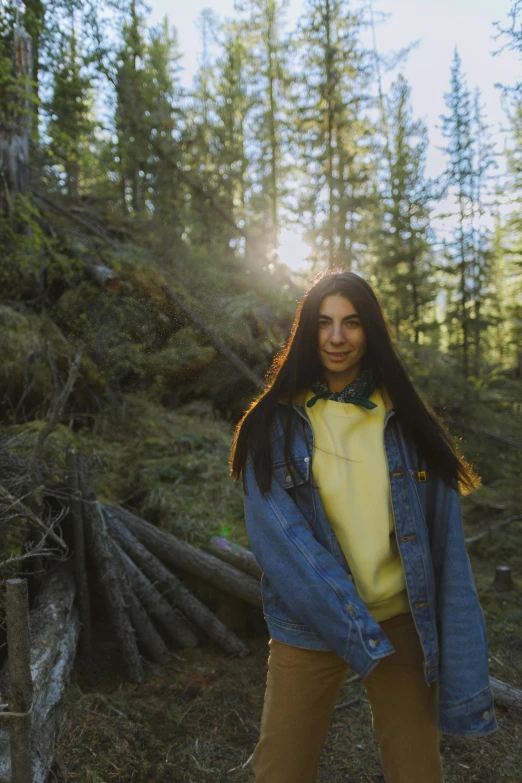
{"x": 352, "y": 511}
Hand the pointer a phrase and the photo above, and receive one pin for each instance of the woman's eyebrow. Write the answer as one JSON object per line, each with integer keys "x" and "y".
{"x": 346, "y": 317}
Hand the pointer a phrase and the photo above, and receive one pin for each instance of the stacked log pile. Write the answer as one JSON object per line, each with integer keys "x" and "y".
{"x": 148, "y": 605}
{"x": 132, "y": 560}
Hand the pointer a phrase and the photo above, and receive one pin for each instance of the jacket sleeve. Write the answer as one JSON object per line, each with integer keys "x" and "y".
{"x": 313, "y": 585}
{"x": 465, "y": 697}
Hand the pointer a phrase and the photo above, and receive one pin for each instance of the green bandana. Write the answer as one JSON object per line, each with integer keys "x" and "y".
{"x": 356, "y": 392}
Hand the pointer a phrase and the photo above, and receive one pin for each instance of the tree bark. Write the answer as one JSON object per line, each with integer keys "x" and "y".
{"x": 158, "y": 607}
{"x": 172, "y": 588}
{"x": 179, "y": 554}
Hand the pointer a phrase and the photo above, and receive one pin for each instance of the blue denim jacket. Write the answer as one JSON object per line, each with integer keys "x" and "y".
{"x": 310, "y": 599}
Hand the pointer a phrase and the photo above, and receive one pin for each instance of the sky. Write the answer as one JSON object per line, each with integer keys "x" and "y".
{"x": 437, "y": 25}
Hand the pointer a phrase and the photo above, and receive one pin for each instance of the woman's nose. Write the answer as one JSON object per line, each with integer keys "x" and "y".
{"x": 337, "y": 334}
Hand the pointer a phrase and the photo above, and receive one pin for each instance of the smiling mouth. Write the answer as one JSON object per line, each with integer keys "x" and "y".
{"x": 338, "y": 355}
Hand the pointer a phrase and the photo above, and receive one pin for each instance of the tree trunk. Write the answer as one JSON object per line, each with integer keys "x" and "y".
{"x": 179, "y": 554}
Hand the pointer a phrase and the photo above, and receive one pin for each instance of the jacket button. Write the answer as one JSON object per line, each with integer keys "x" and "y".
{"x": 288, "y": 478}
{"x": 485, "y": 715}
{"x": 374, "y": 642}
{"x": 307, "y": 459}
{"x": 350, "y": 610}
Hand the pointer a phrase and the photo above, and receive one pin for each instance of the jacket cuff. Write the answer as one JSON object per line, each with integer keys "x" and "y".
{"x": 474, "y": 717}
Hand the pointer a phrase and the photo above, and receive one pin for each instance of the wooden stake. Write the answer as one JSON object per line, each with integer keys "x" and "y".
{"x": 21, "y": 685}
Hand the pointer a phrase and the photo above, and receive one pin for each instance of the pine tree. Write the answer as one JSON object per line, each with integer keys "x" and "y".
{"x": 510, "y": 256}
{"x": 482, "y": 259}
{"x": 402, "y": 250}
{"x": 164, "y": 119}
{"x": 262, "y": 22}
{"x": 71, "y": 123}
{"x": 232, "y": 107}
{"x": 131, "y": 120}
{"x": 334, "y": 134}
{"x": 459, "y": 175}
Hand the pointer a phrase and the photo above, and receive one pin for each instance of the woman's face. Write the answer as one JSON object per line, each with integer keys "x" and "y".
{"x": 342, "y": 342}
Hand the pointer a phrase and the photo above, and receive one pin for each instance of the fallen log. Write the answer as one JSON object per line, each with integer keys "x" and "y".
{"x": 171, "y": 620}
{"x": 54, "y": 630}
{"x": 205, "y": 329}
{"x": 235, "y": 555}
{"x": 179, "y": 554}
{"x": 100, "y": 546}
{"x": 174, "y": 590}
{"x": 506, "y": 695}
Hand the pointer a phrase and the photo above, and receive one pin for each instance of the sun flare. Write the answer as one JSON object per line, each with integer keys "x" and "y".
{"x": 293, "y": 250}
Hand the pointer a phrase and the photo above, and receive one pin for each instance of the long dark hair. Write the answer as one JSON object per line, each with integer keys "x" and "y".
{"x": 298, "y": 365}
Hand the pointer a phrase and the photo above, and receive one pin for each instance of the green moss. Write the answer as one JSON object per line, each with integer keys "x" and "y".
{"x": 170, "y": 466}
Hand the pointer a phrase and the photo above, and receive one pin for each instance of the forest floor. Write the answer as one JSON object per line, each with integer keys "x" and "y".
{"x": 197, "y": 720}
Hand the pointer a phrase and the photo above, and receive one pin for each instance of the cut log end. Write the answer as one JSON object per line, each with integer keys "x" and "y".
{"x": 503, "y": 578}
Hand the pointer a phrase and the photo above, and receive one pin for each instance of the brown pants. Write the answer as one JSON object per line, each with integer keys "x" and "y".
{"x": 302, "y": 689}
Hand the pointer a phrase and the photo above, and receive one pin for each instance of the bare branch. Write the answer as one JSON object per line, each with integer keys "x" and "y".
{"x": 58, "y": 406}
{"x": 24, "y": 511}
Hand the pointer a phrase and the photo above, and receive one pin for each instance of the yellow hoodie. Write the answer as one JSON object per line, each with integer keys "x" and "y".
{"x": 351, "y": 472}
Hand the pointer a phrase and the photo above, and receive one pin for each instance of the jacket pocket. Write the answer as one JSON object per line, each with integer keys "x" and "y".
{"x": 299, "y": 474}
{"x": 276, "y": 610}
{"x": 298, "y": 486}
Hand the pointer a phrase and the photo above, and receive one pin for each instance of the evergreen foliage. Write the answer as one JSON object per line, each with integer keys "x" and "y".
{"x": 403, "y": 267}
{"x": 333, "y": 131}
{"x": 165, "y": 186}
